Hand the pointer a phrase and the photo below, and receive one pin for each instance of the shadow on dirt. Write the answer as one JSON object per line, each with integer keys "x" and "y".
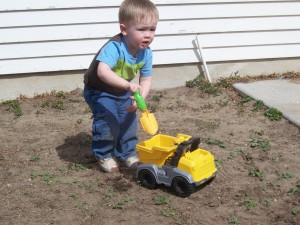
{"x": 76, "y": 149}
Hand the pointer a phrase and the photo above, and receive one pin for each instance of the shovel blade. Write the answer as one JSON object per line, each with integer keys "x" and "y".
{"x": 149, "y": 123}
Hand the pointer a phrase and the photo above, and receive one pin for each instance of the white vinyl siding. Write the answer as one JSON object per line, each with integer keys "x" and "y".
{"x": 44, "y": 36}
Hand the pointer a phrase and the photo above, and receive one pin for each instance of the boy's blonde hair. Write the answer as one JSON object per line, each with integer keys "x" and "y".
{"x": 137, "y": 11}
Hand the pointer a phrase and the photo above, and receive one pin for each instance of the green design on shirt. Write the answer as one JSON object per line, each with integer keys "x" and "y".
{"x": 127, "y": 71}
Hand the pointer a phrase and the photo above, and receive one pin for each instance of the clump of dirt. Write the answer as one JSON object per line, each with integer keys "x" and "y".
{"x": 49, "y": 175}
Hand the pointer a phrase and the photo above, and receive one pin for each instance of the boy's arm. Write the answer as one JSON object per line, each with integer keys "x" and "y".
{"x": 145, "y": 83}
{"x": 108, "y": 76}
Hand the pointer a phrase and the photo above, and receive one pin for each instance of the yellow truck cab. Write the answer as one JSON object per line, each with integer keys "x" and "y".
{"x": 176, "y": 162}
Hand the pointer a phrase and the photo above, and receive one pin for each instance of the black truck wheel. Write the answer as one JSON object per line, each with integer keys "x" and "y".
{"x": 182, "y": 187}
{"x": 147, "y": 179}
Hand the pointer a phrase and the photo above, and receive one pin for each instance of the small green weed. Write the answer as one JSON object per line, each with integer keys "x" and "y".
{"x": 85, "y": 186}
{"x": 163, "y": 200}
{"x": 258, "y": 105}
{"x": 170, "y": 212}
{"x": 74, "y": 100}
{"x": 73, "y": 195}
{"x": 273, "y": 114}
{"x": 60, "y": 94}
{"x": 266, "y": 202}
{"x": 235, "y": 153}
{"x": 122, "y": 201}
{"x": 277, "y": 158}
{"x": 46, "y": 176}
{"x": 233, "y": 220}
{"x": 15, "y": 107}
{"x": 244, "y": 100}
{"x": 154, "y": 107}
{"x": 34, "y": 158}
{"x": 264, "y": 144}
{"x": 219, "y": 162}
{"x": 111, "y": 192}
{"x": 207, "y": 106}
{"x": 45, "y": 104}
{"x": 295, "y": 211}
{"x": 223, "y": 103}
{"x": 78, "y": 166}
{"x": 284, "y": 176}
{"x": 202, "y": 125}
{"x": 113, "y": 200}
{"x": 212, "y": 141}
{"x": 82, "y": 206}
{"x": 256, "y": 173}
{"x": 58, "y": 105}
{"x": 249, "y": 203}
{"x": 204, "y": 85}
{"x": 224, "y": 83}
{"x": 156, "y": 98}
{"x": 295, "y": 190}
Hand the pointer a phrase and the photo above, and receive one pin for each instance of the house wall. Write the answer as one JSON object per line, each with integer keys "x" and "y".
{"x": 58, "y": 39}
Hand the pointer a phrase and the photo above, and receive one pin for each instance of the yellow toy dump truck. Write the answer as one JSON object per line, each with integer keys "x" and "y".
{"x": 176, "y": 162}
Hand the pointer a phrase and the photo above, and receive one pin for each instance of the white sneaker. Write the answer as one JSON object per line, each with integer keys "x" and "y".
{"x": 132, "y": 162}
{"x": 109, "y": 165}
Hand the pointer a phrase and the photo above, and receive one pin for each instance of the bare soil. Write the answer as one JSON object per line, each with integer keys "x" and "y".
{"x": 48, "y": 175}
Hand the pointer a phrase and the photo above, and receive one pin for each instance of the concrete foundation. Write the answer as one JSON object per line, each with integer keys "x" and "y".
{"x": 167, "y": 76}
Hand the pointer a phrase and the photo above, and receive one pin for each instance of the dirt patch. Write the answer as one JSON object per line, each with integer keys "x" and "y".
{"x": 48, "y": 175}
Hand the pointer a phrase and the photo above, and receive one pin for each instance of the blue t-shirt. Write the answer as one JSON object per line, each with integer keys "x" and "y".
{"x": 117, "y": 56}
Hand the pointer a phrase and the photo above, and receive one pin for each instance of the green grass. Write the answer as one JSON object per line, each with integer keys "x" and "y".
{"x": 203, "y": 125}
{"x": 284, "y": 176}
{"x": 266, "y": 202}
{"x": 15, "y": 107}
{"x": 35, "y": 158}
{"x": 162, "y": 200}
{"x": 60, "y": 94}
{"x": 58, "y": 105}
{"x": 256, "y": 173}
{"x": 78, "y": 166}
{"x": 47, "y": 177}
{"x": 257, "y": 142}
{"x": 212, "y": 141}
{"x": 244, "y": 100}
{"x": 122, "y": 201}
{"x": 223, "y": 103}
{"x": 233, "y": 220}
{"x": 273, "y": 114}
{"x": 295, "y": 191}
{"x": 258, "y": 105}
{"x": 219, "y": 162}
{"x": 200, "y": 83}
{"x": 249, "y": 203}
{"x": 295, "y": 211}
{"x": 277, "y": 158}
{"x": 170, "y": 212}
{"x": 235, "y": 153}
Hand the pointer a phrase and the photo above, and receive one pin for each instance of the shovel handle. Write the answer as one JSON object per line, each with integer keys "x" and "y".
{"x": 140, "y": 101}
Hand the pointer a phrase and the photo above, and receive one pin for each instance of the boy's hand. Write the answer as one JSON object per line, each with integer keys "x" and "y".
{"x": 133, "y": 107}
{"x": 133, "y": 87}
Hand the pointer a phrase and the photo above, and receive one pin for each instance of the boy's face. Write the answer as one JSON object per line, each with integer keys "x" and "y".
{"x": 138, "y": 35}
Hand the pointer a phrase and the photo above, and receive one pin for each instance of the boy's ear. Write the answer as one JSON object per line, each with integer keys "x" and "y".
{"x": 123, "y": 29}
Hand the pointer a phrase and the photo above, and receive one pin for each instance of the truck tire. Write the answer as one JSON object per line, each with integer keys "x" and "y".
{"x": 147, "y": 179}
{"x": 182, "y": 187}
